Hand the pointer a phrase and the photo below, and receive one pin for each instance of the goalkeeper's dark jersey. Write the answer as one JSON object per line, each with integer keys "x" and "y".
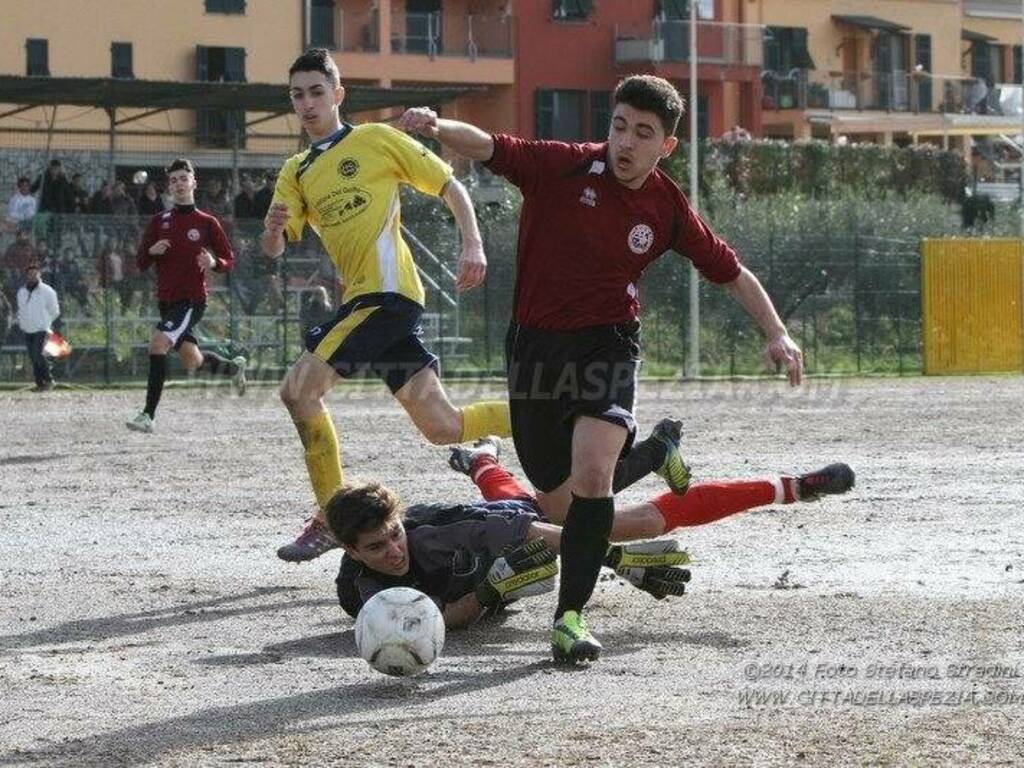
{"x": 451, "y": 548}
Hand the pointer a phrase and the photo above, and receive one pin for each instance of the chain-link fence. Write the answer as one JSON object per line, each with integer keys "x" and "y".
{"x": 852, "y": 301}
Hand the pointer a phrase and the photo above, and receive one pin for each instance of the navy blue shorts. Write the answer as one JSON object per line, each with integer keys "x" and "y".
{"x": 177, "y": 319}
{"x": 377, "y": 333}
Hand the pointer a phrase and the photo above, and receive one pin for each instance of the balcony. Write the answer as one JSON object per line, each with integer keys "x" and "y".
{"x": 345, "y": 30}
{"x": 669, "y": 41}
{"x": 451, "y": 34}
{"x": 915, "y": 92}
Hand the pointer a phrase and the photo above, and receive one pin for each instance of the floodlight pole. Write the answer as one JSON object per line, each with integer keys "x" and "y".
{"x": 693, "y": 355}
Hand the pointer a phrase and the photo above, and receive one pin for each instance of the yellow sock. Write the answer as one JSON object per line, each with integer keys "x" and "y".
{"x": 489, "y": 417}
{"x": 323, "y": 459}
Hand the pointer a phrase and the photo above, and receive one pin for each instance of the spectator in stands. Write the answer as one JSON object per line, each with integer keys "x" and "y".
{"x": 79, "y": 195}
{"x": 67, "y": 279}
{"x": 121, "y": 202}
{"x": 214, "y": 200}
{"x": 5, "y": 317}
{"x": 56, "y": 196}
{"x": 110, "y": 267}
{"x": 17, "y": 257}
{"x": 245, "y": 201}
{"x": 37, "y": 309}
{"x": 101, "y": 200}
{"x": 255, "y": 276}
{"x": 150, "y": 202}
{"x": 22, "y": 206}
{"x": 264, "y": 195}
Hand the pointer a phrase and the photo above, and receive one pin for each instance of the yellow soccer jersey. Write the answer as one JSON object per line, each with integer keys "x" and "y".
{"x": 346, "y": 188}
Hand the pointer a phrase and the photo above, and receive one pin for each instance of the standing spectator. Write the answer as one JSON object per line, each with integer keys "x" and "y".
{"x": 68, "y": 280}
{"x": 151, "y": 203}
{"x": 121, "y": 202}
{"x": 57, "y": 195}
{"x": 17, "y": 257}
{"x": 110, "y": 266}
{"x": 22, "y": 205}
{"x": 79, "y": 195}
{"x": 5, "y": 317}
{"x": 101, "y": 200}
{"x": 215, "y": 200}
{"x": 264, "y": 195}
{"x": 37, "y": 309}
{"x": 245, "y": 201}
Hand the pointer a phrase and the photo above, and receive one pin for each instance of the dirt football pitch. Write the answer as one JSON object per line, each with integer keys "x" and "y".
{"x": 145, "y": 620}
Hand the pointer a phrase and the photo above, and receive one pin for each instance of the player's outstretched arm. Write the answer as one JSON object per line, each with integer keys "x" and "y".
{"x": 468, "y": 140}
{"x": 472, "y": 266}
{"x": 780, "y": 349}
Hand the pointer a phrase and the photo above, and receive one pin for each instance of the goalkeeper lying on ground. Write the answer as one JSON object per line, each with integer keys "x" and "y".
{"x": 473, "y": 557}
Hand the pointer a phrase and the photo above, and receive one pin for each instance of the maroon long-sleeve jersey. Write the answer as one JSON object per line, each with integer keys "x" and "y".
{"x": 178, "y": 274}
{"x": 585, "y": 239}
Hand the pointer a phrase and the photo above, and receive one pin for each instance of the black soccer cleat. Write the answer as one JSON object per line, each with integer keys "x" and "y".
{"x": 833, "y": 479}
{"x": 463, "y": 460}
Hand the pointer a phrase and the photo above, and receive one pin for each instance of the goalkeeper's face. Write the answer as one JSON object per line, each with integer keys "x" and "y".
{"x": 384, "y": 549}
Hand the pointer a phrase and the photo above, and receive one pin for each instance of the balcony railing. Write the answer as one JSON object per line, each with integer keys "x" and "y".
{"x": 447, "y": 34}
{"x": 669, "y": 41}
{"x": 887, "y": 91}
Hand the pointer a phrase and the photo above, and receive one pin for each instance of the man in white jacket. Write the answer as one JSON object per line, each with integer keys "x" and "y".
{"x": 37, "y": 309}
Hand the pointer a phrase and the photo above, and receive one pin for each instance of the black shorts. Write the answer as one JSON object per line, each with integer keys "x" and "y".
{"x": 554, "y": 377}
{"x": 376, "y": 333}
{"x": 178, "y": 318}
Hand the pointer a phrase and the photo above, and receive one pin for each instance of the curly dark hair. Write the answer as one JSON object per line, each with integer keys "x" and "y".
{"x": 357, "y": 509}
{"x": 652, "y": 94}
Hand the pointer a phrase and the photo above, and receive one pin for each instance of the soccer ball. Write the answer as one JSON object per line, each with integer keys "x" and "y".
{"x": 400, "y": 631}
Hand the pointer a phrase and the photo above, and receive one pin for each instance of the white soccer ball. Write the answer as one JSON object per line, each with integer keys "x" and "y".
{"x": 400, "y": 631}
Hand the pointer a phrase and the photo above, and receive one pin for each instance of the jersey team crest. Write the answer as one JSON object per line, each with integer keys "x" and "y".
{"x": 640, "y": 239}
{"x": 193, "y": 235}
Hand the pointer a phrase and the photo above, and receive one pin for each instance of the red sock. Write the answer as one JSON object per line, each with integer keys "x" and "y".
{"x": 495, "y": 482}
{"x": 707, "y": 502}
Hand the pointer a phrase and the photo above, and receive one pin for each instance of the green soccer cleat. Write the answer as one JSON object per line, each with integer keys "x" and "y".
{"x": 238, "y": 380}
{"x": 141, "y": 423}
{"x": 571, "y": 641}
{"x": 673, "y": 469}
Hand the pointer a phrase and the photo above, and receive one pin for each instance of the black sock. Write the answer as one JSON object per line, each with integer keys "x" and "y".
{"x": 584, "y": 545}
{"x": 217, "y": 365}
{"x": 155, "y": 384}
{"x": 644, "y": 457}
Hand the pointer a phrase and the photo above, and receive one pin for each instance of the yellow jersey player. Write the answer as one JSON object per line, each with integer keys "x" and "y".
{"x": 346, "y": 187}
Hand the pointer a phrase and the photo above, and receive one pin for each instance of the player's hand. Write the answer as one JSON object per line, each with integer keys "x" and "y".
{"x": 276, "y": 219}
{"x": 421, "y": 120}
{"x": 520, "y": 572}
{"x": 782, "y": 350}
{"x": 159, "y": 248}
{"x": 205, "y": 259}
{"x": 472, "y": 267}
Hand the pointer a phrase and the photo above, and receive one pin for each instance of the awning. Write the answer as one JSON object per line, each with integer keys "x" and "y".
{"x": 976, "y": 37}
{"x": 871, "y": 22}
{"x": 108, "y": 93}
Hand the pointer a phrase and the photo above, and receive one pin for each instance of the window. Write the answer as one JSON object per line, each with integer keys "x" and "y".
{"x": 981, "y": 61}
{"x": 679, "y": 10}
{"x": 571, "y": 10}
{"x": 321, "y": 24}
{"x": 37, "y": 58}
{"x": 560, "y": 115}
{"x": 785, "y": 49}
{"x": 121, "y": 60}
{"x": 225, "y": 6}
{"x": 923, "y": 59}
{"x": 600, "y": 114}
{"x": 1015, "y": 78}
{"x": 218, "y": 127}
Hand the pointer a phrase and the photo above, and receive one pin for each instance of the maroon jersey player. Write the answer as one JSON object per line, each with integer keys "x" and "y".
{"x": 183, "y": 245}
{"x": 593, "y": 217}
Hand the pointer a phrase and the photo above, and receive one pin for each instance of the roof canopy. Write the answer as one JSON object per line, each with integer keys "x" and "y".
{"x": 871, "y": 22}
{"x": 108, "y": 93}
{"x": 976, "y": 37}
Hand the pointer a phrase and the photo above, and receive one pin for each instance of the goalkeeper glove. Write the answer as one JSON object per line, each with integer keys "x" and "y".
{"x": 522, "y": 571}
{"x": 651, "y": 566}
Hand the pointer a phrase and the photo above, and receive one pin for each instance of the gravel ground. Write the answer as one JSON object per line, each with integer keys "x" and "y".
{"x": 144, "y": 619}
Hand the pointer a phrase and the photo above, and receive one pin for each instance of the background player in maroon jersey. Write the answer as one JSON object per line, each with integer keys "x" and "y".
{"x": 183, "y": 243}
{"x": 593, "y": 217}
